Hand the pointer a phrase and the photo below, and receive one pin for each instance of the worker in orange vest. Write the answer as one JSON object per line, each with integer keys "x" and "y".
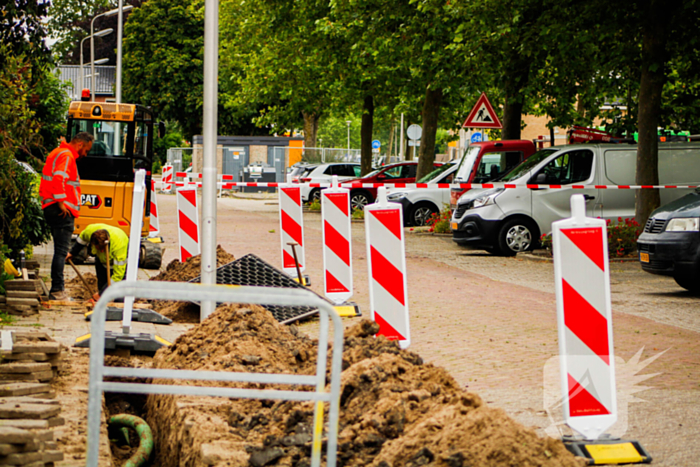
{"x": 60, "y": 200}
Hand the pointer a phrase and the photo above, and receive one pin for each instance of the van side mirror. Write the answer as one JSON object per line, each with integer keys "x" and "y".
{"x": 539, "y": 179}
{"x": 161, "y": 129}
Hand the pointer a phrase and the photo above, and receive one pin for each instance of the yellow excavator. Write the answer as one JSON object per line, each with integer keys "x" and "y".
{"x": 123, "y": 143}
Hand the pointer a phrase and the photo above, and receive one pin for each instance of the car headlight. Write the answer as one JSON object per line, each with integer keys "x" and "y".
{"x": 488, "y": 198}
{"x": 395, "y": 196}
{"x": 683, "y": 224}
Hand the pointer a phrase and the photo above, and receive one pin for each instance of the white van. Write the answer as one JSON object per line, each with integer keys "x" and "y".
{"x": 506, "y": 221}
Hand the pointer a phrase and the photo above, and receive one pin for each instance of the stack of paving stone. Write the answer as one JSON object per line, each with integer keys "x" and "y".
{"x": 33, "y": 356}
{"x": 29, "y": 411}
{"x": 21, "y": 298}
{"x": 24, "y": 295}
{"x": 28, "y": 447}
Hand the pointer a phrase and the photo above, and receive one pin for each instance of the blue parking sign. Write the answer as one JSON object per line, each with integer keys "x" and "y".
{"x": 476, "y": 137}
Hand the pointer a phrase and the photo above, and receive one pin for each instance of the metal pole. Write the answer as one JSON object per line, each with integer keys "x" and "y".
{"x": 211, "y": 65}
{"x": 348, "y": 122}
{"x": 118, "y": 89}
{"x": 402, "y": 140}
{"x": 92, "y": 58}
{"x": 120, "y": 25}
{"x": 82, "y": 78}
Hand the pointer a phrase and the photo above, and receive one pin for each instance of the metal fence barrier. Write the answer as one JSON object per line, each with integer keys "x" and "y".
{"x": 250, "y": 295}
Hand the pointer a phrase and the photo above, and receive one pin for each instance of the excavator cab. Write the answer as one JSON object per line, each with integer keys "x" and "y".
{"x": 123, "y": 143}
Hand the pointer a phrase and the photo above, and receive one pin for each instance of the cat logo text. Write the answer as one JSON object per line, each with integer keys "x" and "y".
{"x": 90, "y": 201}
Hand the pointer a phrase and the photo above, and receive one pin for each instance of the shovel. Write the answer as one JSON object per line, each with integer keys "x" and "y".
{"x": 87, "y": 287}
{"x": 109, "y": 267}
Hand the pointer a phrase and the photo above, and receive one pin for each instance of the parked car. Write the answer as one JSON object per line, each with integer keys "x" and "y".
{"x": 401, "y": 172}
{"x": 487, "y": 161}
{"x": 670, "y": 243}
{"x": 507, "y": 221}
{"x": 323, "y": 173}
{"x": 420, "y": 203}
{"x": 298, "y": 169}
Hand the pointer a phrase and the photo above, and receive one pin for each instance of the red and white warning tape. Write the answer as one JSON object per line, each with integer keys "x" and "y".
{"x": 463, "y": 186}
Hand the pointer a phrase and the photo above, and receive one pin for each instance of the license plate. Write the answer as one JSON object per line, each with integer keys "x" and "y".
{"x": 454, "y": 226}
{"x": 644, "y": 257}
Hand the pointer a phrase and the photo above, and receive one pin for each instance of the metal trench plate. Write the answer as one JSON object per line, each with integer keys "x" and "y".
{"x": 253, "y": 271}
{"x": 140, "y": 343}
{"x": 142, "y": 315}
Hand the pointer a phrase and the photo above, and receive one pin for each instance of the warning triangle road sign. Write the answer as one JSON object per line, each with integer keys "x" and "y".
{"x": 483, "y": 115}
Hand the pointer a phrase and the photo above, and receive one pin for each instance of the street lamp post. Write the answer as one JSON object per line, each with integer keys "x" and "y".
{"x": 92, "y": 43}
{"x": 101, "y": 33}
{"x": 348, "y": 122}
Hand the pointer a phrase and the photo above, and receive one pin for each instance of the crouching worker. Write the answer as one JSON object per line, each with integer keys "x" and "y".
{"x": 98, "y": 237}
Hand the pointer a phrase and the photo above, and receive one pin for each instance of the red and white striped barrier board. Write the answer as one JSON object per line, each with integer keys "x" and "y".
{"x": 167, "y": 178}
{"x": 463, "y": 186}
{"x": 584, "y": 315}
{"x": 386, "y": 260}
{"x": 337, "y": 243}
{"x": 154, "y": 228}
{"x": 291, "y": 228}
{"x": 187, "y": 222}
{"x": 199, "y": 176}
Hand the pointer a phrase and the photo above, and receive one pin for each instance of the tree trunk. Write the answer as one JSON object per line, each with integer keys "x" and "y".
{"x": 551, "y": 136}
{"x": 310, "y": 129}
{"x": 366, "y": 134}
{"x": 512, "y": 116}
{"x": 406, "y": 148}
{"x": 430, "y": 114}
{"x": 390, "y": 147}
{"x": 650, "y": 87}
{"x": 516, "y": 79}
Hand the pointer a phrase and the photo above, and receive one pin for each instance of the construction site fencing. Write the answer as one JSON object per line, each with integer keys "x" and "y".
{"x": 321, "y": 155}
{"x": 179, "y": 158}
{"x": 221, "y": 294}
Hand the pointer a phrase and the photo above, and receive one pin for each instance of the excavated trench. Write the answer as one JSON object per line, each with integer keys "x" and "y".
{"x": 124, "y": 441}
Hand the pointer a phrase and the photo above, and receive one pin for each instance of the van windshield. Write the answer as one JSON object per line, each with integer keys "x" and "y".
{"x": 467, "y": 163}
{"x": 435, "y": 173}
{"x": 528, "y": 164}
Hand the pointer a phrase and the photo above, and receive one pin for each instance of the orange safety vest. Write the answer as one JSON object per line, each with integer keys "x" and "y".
{"x": 60, "y": 180}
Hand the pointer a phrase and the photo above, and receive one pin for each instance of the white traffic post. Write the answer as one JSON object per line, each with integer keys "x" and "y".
{"x": 132, "y": 259}
{"x": 291, "y": 226}
{"x": 187, "y": 222}
{"x": 337, "y": 243}
{"x": 584, "y": 317}
{"x": 154, "y": 225}
{"x": 386, "y": 260}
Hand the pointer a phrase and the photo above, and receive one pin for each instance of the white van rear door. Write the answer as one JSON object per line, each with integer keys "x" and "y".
{"x": 620, "y": 165}
{"x": 575, "y": 167}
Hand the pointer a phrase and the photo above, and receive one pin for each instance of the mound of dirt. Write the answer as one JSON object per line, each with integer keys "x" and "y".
{"x": 244, "y": 338}
{"x": 76, "y": 288}
{"x": 176, "y": 271}
{"x": 395, "y": 409}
